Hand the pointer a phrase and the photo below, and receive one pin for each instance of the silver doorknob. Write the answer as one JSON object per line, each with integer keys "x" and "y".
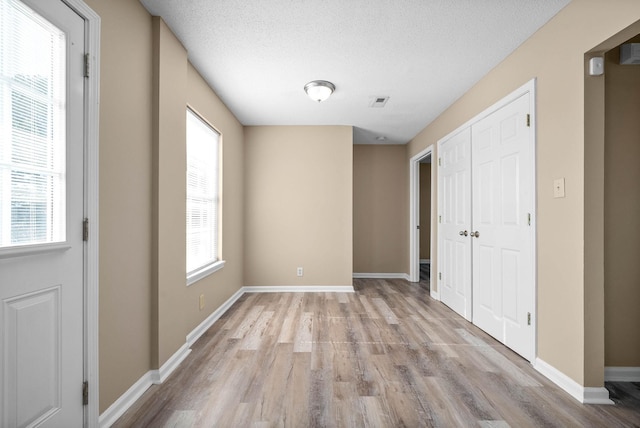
{"x": 475, "y": 234}
{"x": 463, "y": 233}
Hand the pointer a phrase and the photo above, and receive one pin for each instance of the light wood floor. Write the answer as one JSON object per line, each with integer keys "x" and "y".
{"x": 385, "y": 356}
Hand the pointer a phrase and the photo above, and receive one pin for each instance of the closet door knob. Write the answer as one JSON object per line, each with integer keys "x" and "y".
{"x": 463, "y": 233}
{"x": 475, "y": 234}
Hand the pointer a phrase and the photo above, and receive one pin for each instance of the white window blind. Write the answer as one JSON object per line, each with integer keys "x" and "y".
{"x": 203, "y": 196}
{"x": 32, "y": 128}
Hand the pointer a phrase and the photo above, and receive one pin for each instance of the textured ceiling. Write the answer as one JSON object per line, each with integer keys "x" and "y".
{"x": 423, "y": 54}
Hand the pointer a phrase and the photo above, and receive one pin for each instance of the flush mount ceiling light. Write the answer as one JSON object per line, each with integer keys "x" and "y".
{"x": 319, "y": 90}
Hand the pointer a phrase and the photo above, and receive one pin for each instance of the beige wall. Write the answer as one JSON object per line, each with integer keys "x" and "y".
{"x": 622, "y": 212}
{"x": 425, "y": 210}
{"x": 169, "y": 192}
{"x": 555, "y": 56}
{"x": 146, "y": 310}
{"x": 380, "y": 209}
{"x": 298, "y": 205}
{"x": 217, "y": 288}
{"x": 125, "y": 195}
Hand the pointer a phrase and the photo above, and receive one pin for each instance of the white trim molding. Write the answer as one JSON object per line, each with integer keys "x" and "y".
{"x": 382, "y": 275}
{"x": 585, "y": 395}
{"x": 160, "y": 375}
{"x": 299, "y": 289}
{"x": 92, "y": 24}
{"x": 414, "y": 211}
{"x": 622, "y": 374}
{"x": 211, "y": 319}
{"x": 126, "y": 400}
{"x": 196, "y": 276}
{"x": 122, "y": 404}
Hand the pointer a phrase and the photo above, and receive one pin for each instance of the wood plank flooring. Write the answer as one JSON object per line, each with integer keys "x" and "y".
{"x": 385, "y": 356}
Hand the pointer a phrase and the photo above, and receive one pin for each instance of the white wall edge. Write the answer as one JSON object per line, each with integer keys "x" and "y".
{"x": 160, "y": 375}
{"x": 382, "y": 275}
{"x": 197, "y": 332}
{"x": 126, "y": 400}
{"x": 299, "y": 289}
{"x": 622, "y": 374}
{"x": 585, "y": 395}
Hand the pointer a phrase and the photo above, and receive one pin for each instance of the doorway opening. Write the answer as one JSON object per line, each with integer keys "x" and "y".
{"x": 422, "y": 217}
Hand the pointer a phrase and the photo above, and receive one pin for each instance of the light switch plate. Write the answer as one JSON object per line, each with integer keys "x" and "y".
{"x": 558, "y": 188}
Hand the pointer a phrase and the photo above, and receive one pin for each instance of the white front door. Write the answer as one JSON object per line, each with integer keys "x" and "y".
{"x": 454, "y": 207}
{"x": 41, "y": 214}
{"x": 503, "y": 279}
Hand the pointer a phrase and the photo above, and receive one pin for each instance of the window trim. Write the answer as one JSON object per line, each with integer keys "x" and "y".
{"x": 209, "y": 268}
{"x": 204, "y": 271}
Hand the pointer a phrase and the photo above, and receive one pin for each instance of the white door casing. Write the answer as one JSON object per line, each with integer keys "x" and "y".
{"x": 42, "y": 286}
{"x": 503, "y": 277}
{"x": 454, "y": 217}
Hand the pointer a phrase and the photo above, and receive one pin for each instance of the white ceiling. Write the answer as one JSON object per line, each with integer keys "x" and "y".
{"x": 424, "y": 54}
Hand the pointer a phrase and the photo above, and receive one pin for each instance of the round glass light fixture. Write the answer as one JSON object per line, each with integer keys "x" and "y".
{"x": 319, "y": 90}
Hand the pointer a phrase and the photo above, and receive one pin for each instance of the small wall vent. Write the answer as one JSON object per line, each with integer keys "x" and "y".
{"x": 630, "y": 53}
{"x": 378, "y": 102}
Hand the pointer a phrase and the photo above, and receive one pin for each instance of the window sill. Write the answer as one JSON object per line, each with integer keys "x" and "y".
{"x": 205, "y": 271}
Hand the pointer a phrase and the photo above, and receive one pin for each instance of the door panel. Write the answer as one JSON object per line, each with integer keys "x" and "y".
{"x": 502, "y": 201}
{"x": 454, "y": 198}
{"x": 41, "y": 214}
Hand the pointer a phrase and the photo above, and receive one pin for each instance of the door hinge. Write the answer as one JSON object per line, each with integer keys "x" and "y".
{"x": 85, "y": 393}
{"x": 440, "y": 276}
{"x": 418, "y": 227}
{"x": 528, "y": 318}
{"x": 86, "y": 65}
{"x": 85, "y": 229}
{"x": 439, "y": 161}
{"x": 529, "y": 219}
{"x": 439, "y": 219}
{"x": 528, "y": 119}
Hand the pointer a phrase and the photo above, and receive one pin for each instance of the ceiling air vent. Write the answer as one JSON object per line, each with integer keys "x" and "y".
{"x": 378, "y": 102}
{"x": 630, "y": 53}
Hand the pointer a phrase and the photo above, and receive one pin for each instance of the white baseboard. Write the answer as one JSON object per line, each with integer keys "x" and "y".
{"x": 299, "y": 289}
{"x": 382, "y": 275}
{"x": 425, "y": 261}
{"x": 585, "y": 395}
{"x": 622, "y": 374}
{"x": 126, "y": 400}
{"x": 160, "y": 375}
{"x": 211, "y": 319}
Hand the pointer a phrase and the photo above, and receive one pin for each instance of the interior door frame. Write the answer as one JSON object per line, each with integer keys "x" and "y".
{"x": 91, "y": 201}
{"x": 414, "y": 218}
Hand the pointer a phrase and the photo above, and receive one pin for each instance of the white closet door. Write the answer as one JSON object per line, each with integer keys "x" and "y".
{"x": 503, "y": 280}
{"x": 454, "y": 202}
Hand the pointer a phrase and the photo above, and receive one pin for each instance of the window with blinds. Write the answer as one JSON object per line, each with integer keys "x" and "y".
{"x": 32, "y": 128}
{"x": 203, "y": 194}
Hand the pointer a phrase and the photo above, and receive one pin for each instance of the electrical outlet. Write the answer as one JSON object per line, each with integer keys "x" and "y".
{"x": 300, "y": 271}
{"x": 201, "y": 301}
